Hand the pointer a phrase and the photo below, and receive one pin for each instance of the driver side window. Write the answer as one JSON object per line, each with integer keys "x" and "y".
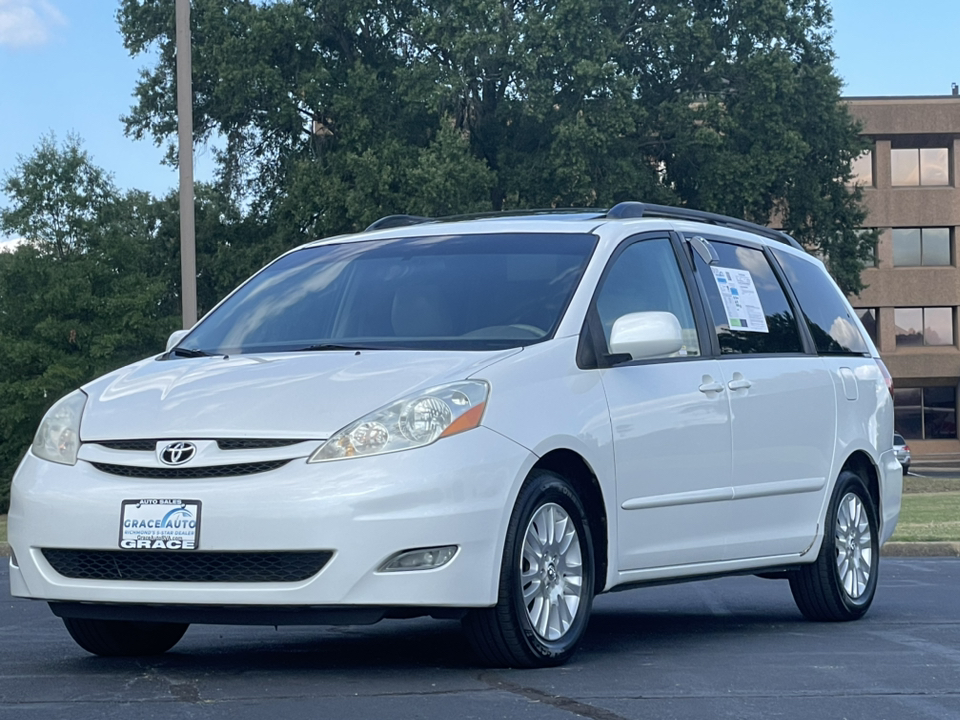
{"x": 645, "y": 278}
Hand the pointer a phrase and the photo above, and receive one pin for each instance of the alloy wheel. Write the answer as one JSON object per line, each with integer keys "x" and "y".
{"x": 854, "y": 543}
{"x": 551, "y": 571}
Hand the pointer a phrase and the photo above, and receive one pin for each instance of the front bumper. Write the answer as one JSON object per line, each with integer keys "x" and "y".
{"x": 458, "y": 491}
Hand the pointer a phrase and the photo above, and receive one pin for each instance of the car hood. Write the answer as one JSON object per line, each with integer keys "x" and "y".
{"x": 306, "y": 395}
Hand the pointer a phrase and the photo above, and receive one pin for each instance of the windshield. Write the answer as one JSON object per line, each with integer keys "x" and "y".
{"x": 462, "y": 292}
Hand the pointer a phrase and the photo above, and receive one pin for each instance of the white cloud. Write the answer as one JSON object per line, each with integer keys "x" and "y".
{"x": 10, "y": 244}
{"x": 28, "y": 22}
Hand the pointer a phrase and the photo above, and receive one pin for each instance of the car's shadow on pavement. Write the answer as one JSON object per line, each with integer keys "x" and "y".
{"x": 423, "y": 643}
{"x": 614, "y": 630}
{"x": 389, "y": 644}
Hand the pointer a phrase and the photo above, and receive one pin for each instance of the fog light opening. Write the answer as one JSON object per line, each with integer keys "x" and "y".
{"x": 13, "y": 559}
{"x": 420, "y": 559}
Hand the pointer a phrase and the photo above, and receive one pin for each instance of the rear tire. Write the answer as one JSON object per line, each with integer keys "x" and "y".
{"x": 841, "y": 583}
{"x": 121, "y": 638}
{"x": 546, "y": 580}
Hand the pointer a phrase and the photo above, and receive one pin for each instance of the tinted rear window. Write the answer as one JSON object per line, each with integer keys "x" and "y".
{"x": 834, "y": 330}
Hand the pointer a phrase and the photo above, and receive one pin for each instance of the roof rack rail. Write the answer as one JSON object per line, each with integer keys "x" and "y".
{"x": 522, "y": 213}
{"x": 392, "y": 221}
{"x": 638, "y": 209}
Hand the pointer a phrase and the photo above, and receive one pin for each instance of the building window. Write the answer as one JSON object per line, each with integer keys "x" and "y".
{"x": 868, "y": 318}
{"x": 913, "y": 247}
{"x": 920, "y": 166}
{"x": 923, "y": 326}
{"x": 870, "y": 260}
{"x": 861, "y": 170}
{"x": 928, "y": 413}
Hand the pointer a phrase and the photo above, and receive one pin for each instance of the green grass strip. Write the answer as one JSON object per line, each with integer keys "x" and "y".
{"x": 914, "y": 484}
{"x": 929, "y": 517}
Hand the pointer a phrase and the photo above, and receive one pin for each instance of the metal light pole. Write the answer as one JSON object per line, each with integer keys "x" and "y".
{"x": 188, "y": 245}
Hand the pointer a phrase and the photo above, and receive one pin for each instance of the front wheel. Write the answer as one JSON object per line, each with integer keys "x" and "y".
{"x": 841, "y": 583}
{"x": 546, "y": 580}
{"x": 121, "y": 638}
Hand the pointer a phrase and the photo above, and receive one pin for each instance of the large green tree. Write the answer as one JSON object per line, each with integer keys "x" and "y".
{"x": 95, "y": 284}
{"x": 332, "y": 114}
{"x": 79, "y": 296}
{"x": 57, "y": 195}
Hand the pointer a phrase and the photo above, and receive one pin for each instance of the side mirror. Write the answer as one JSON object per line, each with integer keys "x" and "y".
{"x": 175, "y": 337}
{"x": 646, "y": 334}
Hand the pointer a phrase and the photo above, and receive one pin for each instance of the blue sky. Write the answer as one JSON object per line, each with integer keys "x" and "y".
{"x": 63, "y": 68}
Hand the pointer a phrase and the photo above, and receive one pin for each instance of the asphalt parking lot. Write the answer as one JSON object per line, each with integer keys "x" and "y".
{"x": 730, "y": 648}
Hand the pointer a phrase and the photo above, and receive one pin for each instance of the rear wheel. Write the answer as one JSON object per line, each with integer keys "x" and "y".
{"x": 841, "y": 583}
{"x": 546, "y": 580}
{"x": 121, "y": 638}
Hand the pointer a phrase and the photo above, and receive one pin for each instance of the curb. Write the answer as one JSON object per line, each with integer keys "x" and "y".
{"x": 921, "y": 549}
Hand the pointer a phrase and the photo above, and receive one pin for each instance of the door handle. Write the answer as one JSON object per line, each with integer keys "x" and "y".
{"x": 739, "y": 382}
{"x": 709, "y": 385}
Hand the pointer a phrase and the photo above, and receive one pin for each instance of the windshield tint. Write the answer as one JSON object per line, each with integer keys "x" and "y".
{"x": 468, "y": 292}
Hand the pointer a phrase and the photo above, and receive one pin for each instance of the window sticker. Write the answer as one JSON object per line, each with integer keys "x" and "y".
{"x": 740, "y": 299}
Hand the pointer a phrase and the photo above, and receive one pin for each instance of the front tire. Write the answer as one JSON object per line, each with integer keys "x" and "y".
{"x": 121, "y": 638}
{"x": 841, "y": 583}
{"x": 546, "y": 580}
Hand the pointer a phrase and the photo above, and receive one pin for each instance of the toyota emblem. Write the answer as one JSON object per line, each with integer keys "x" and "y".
{"x": 178, "y": 453}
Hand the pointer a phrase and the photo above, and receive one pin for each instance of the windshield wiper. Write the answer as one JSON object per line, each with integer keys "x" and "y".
{"x": 188, "y": 352}
{"x": 335, "y": 346}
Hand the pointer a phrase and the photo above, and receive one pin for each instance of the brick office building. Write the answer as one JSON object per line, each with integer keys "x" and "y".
{"x": 911, "y": 184}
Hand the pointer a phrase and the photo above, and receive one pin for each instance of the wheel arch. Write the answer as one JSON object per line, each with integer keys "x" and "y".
{"x": 572, "y": 466}
{"x": 862, "y": 464}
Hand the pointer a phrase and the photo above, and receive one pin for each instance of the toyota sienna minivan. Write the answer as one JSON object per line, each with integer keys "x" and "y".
{"x": 490, "y": 419}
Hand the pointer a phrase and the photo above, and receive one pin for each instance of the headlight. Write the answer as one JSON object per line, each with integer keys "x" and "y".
{"x": 58, "y": 439}
{"x": 409, "y": 423}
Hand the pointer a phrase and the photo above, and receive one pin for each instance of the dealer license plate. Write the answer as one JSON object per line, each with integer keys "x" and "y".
{"x": 160, "y": 525}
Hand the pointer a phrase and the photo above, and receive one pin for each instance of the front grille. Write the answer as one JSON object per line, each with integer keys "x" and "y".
{"x": 138, "y": 445}
{"x": 227, "y": 444}
{"x": 254, "y": 444}
{"x": 209, "y": 471}
{"x": 187, "y": 566}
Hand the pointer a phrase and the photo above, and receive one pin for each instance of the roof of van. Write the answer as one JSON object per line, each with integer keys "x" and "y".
{"x": 595, "y": 217}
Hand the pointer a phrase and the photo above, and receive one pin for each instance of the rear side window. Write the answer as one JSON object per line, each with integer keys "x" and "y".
{"x": 831, "y": 323}
{"x": 749, "y": 307}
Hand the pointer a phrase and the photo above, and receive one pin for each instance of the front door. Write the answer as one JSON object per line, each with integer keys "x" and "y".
{"x": 670, "y": 419}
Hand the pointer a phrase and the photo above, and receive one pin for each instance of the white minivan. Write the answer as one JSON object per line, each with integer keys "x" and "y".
{"x": 491, "y": 419}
